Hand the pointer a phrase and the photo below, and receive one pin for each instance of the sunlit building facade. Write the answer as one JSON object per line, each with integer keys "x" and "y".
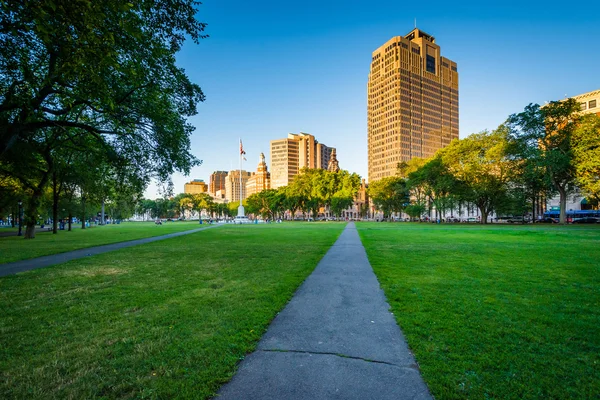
{"x": 291, "y": 154}
{"x": 196, "y": 186}
{"x": 412, "y": 104}
{"x": 217, "y": 183}
{"x": 589, "y": 102}
{"x": 260, "y": 180}
{"x": 233, "y": 187}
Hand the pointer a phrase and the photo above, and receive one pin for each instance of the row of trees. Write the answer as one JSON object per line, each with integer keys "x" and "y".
{"x": 92, "y": 105}
{"x": 536, "y": 154}
{"x": 308, "y": 192}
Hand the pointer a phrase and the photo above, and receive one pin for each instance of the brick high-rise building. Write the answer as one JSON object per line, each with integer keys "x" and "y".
{"x": 290, "y": 155}
{"x": 412, "y": 105}
{"x": 217, "y": 182}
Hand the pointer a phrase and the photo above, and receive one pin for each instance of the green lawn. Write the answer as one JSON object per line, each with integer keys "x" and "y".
{"x": 495, "y": 312}
{"x": 14, "y": 248}
{"x": 169, "y": 319}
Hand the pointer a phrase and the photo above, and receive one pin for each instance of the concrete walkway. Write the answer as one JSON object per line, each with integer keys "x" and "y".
{"x": 336, "y": 339}
{"x": 46, "y": 261}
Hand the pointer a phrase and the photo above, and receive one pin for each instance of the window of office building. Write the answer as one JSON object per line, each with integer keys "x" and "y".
{"x": 431, "y": 64}
{"x": 592, "y": 104}
{"x": 583, "y": 105}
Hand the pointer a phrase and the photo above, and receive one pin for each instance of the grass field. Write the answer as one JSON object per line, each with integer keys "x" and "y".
{"x": 168, "y": 319}
{"x": 495, "y": 312}
{"x": 14, "y": 248}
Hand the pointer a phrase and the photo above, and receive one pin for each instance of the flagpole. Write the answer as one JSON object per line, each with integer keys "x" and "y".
{"x": 241, "y": 207}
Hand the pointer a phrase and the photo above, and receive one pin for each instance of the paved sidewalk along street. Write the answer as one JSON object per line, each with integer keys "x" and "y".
{"x": 46, "y": 261}
{"x": 336, "y": 339}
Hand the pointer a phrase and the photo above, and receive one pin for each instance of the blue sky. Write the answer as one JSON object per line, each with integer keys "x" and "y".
{"x": 274, "y": 67}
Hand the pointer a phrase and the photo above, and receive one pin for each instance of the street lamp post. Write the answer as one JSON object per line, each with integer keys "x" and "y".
{"x": 20, "y": 233}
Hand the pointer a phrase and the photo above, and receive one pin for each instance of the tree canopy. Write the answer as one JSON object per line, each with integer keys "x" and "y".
{"x": 95, "y": 77}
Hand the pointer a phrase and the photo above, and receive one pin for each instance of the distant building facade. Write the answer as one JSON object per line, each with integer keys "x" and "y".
{"x": 333, "y": 165}
{"x": 260, "y": 180}
{"x": 589, "y": 102}
{"x": 217, "y": 182}
{"x": 412, "y": 102}
{"x": 291, "y": 154}
{"x": 232, "y": 185}
{"x": 194, "y": 187}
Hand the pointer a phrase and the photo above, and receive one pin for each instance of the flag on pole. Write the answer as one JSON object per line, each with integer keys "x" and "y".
{"x": 242, "y": 152}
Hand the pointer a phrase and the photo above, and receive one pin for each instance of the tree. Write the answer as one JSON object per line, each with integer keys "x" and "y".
{"x": 415, "y": 210}
{"x": 201, "y": 202}
{"x": 586, "y": 153}
{"x": 343, "y": 190}
{"x": 481, "y": 165}
{"x": 389, "y": 194}
{"x": 99, "y": 74}
{"x": 263, "y": 203}
{"x": 433, "y": 179}
{"x": 547, "y": 135}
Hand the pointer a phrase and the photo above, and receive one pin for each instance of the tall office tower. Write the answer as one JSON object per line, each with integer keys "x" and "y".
{"x": 232, "y": 185}
{"x": 290, "y": 155}
{"x": 217, "y": 182}
{"x": 259, "y": 181}
{"x": 412, "y": 102}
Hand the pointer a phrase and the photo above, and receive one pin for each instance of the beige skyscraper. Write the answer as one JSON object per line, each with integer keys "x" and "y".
{"x": 412, "y": 104}
{"x": 232, "y": 185}
{"x": 290, "y": 155}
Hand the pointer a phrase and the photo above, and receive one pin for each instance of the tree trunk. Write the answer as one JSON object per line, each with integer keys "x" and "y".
{"x": 31, "y": 212}
{"x": 82, "y": 212}
{"x": 533, "y": 211}
{"x": 70, "y": 221}
{"x": 54, "y": 204}
{"x": 484, "y": 215}
{"x": 102, "y": 212}
{"x": 13, "y": 219}
{"x": 563, "y": 204}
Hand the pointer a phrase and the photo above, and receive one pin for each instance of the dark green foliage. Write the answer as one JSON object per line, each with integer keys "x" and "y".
{"x": 82, "y": 81}
{"x": 543, "y": 138}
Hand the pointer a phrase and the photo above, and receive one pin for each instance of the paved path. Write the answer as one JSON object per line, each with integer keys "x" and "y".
{"x": 336, "y": 339}
{"x": 46, "y": 261}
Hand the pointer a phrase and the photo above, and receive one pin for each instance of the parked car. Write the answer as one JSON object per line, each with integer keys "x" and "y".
{"x": 548, "y": 220}
{"x": 586, "y": 220}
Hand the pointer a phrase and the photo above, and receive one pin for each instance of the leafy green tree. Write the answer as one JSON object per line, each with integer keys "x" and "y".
{"x": 433, "y": 179}
{"x": 482, "y": 168}
{"x": 201, "y": 202}
{"x": 415, "y": 210}
{"x": 586, "y": 153}
{"x": 546, "y": 135}
{"x": 389, "y": 194}
{"x": 98, "y": 74}
{"x": 292, "y": 201}
{"x": 343, "y": 190}
{"x": 263, "y": 203}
